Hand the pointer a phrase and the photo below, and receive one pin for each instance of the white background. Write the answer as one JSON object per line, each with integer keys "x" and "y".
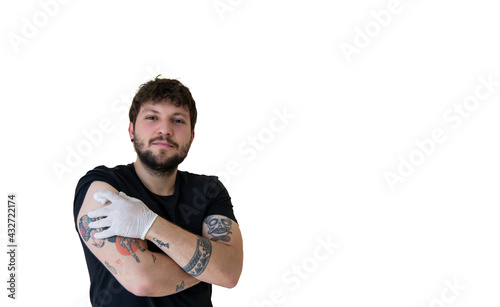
{"x": 320, "y": 177}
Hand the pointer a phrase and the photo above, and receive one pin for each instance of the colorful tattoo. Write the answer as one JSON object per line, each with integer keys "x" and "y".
{"x": 219, "y": 228}
{"x": 110, "y": 268}
{"x": 200, "y": 259}
{"x": 87, "y": 233}
{"x": 128, "y": 247}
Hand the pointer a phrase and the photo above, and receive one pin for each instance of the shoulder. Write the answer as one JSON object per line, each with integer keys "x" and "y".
{"x": 111, "y": 175}
{"x": 209, "y": 187}
{"x": 103, "y": 170}
{"x": 114, "y": 176}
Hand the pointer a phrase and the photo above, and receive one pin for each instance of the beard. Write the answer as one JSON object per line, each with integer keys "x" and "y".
{"x": 160, "y": 165}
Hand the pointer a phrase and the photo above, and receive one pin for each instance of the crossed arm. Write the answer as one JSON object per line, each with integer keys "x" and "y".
{"x": 188, "y": 258}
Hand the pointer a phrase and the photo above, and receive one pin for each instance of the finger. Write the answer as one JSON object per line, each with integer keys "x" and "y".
{"x": 101, "y": 223}
{"x": 105, "y": 234}
{"x": 122, "y": 194}
{"x": 104, "y": 211}
{"x": 104, "y": 196}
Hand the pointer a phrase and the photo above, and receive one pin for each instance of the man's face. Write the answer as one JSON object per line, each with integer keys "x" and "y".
{"x": 162, "y": 136}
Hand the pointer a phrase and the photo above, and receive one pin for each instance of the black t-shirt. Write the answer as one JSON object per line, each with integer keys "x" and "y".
{"x": 194, "y": 198}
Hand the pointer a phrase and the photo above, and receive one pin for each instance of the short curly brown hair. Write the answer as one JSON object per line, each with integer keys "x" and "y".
{"x": 160, "y": 90}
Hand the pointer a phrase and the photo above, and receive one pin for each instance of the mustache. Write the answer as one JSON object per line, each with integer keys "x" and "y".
{"x": 164, "y": 139}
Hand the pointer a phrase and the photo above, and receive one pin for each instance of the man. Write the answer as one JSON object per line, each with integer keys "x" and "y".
{"x": 153, "y": 235}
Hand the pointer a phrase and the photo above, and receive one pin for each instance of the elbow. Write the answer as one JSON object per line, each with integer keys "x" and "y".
{"x": 138, "y": 291}
{"x": 140, "y": 286}
{"x": 231, "y": 283}
{"x": 233, "y": 276}
{"x": 231, "y": 280}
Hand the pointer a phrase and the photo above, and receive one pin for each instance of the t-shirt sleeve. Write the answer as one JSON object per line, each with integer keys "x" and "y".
{"x": 100, "y": 173}
{"x": 220, "y": 204}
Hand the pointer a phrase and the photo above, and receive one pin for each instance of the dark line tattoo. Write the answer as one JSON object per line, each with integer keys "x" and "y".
{"x": 179, "y": 287}
{"x": 167, "y": 245}
{"x": 200, "y": 259}
{"x": 112, "y": 269}
{"x": 126, "y": 243}
{"x": 154, "y": 258}
{"x": 219, "y": 228}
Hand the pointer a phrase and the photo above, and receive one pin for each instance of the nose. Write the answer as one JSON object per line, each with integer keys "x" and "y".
{"x": 165, "y": 128}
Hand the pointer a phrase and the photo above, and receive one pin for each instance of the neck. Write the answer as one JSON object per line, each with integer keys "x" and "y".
{"x": 163, "y": 185}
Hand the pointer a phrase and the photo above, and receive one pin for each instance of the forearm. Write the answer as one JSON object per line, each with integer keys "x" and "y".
{"x": 160, "y": 276}
{"x": 206, "y": 260}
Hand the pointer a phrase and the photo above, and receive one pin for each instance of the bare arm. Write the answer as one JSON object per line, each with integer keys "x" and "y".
{"x": 140, "y": 271}
{"x": 215, "y": 257}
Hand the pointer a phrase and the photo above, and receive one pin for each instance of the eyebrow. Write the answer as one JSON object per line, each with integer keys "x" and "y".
{"x": 179, "y": 114}
{"x": 173, "y": 114}
{"x": 151, "y": 110}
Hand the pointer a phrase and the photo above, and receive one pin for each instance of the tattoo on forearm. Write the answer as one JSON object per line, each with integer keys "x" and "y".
{"x": 201, "y": 257}
{"x": 110, "y": 268}
{"x": 159, "y": 242}
{"x": 125, "y": 247}
{"x": 179, "y": 287}
{"x": 219, "y": 228}
{"x": 87, "y": 233}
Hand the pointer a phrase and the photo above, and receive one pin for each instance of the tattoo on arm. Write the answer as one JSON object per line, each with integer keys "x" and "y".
{"x": 219, "y": 228}
{"x": 154, "y": 258}
{"x": 179, "y": 287}
{"x": 200, "y": 259}
{"x": 110, "y": 268}
{"x": 159, "y": 242}
{"x": 87, "y": 233}
{"x": 126, "y": 247}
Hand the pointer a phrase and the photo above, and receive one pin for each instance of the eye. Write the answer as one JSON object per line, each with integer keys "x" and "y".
{"x": 226, "y": 222}
{"x": 151, "y": 118}
{"x": 179, "y": 121}
{"x": 212, "y": 222}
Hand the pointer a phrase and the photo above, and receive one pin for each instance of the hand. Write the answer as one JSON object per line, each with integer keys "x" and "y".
{"x": 125, "y": 216}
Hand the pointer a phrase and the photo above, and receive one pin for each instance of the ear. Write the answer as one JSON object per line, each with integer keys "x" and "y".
{"x": 192, "y": 137}
{"x": 131, "y": 130}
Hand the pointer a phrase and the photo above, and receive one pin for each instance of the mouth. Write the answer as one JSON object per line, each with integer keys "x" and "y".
{"x": 218, "y": 231}
{"x": 163, "y": 144}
